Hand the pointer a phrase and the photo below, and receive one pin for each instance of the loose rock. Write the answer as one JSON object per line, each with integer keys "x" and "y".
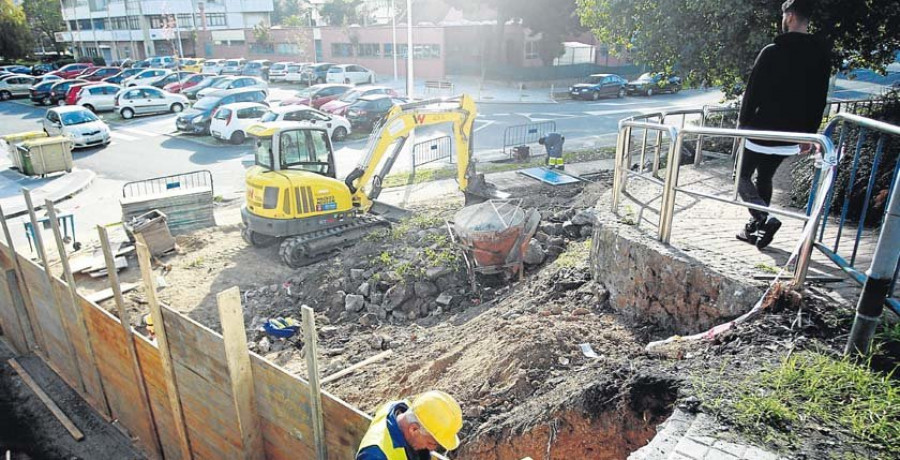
{"x": 434, "y": 273}
{"x": 357, "y": 274}
{"x": 444, "y": 299}
{"x": 585, "y": 217}
{"x": 364, "y": 289}
{"x": 534, "y": 253}
{"x": 425, "y": 289}
{"x": 354, "y": 303}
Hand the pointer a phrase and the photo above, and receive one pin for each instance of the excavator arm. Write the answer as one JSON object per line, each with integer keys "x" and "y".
{"x": 393, "y": 134}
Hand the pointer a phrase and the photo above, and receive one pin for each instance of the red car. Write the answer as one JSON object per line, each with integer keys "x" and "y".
{"x": 339, "y": 106}
{"x": 72, "y": 70}
{"x": 74, "y": 90}
{"x": 99, "y": 73}
{"x": 194, "y": 80}
{"x": 318, "y": 95}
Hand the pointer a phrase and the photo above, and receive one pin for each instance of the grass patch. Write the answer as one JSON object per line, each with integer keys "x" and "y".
{"x": 449, "y": 172}
{"x": 766, "y": 268}
{"x": 576, "y": 255}
{"x": 811, "y": 390}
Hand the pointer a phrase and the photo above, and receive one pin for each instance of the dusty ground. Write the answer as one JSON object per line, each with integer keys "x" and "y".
{"x": 510, "y": 351}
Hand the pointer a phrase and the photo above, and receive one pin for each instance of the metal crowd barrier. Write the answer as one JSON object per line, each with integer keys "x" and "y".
{"x": 432, "y": 150}
{"x": 528, "y": 133}
{"x": 194, "y": 179}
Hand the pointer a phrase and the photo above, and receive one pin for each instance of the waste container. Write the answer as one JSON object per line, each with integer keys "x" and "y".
{"x": 154, "y": 227}
{"x": 47, "y": 155}
{"x": 10, "y": 142}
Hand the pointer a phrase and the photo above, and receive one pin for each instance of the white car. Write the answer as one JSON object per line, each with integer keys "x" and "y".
{"x": 295, "y": 72}
{"x": 146, "y": 100}
{"x": 78, "y": 124}
{"x": 278, "y": 71}
{"x": 15, "y": 85}
{"x": 234, "y": 83}
{"x": 98, "y": 98}
{"x": 213, "y": 66}
{"x": 146, "y": 77}
{"x": 230, "y": 121}
{"x": 233, "y": 66}
{"x": 337, "y": 126}
{"x": 350, "y": 74}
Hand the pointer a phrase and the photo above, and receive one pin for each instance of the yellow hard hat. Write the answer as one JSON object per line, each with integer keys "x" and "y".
{"x": 440, "y": 415}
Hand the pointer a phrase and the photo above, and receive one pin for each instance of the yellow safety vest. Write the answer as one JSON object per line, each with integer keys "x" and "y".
{"x": 379, "y": 436}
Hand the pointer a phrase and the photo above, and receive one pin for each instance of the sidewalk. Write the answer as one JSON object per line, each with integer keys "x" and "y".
{"x": 483, "y": 92}
{"x": 55, "y": 188}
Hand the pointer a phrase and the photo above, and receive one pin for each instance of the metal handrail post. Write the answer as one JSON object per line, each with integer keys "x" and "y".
{"x": 619, "y": 171}
{"x": 698, "y": 156}
{"x": 667, "y": 209}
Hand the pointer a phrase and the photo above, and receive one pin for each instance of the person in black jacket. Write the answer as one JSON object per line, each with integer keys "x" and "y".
{"x": 786, "y": 91}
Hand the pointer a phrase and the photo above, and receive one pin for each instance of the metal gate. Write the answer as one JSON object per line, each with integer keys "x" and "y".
{"x": 526, "y": 134}
{"x": 432, "y": 150}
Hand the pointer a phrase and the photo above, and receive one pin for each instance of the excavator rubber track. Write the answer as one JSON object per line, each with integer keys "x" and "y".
{"x": 301, "y": 250}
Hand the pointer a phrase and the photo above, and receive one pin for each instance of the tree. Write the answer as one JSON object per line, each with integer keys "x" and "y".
{"x": 15, "y": 41}
{"x": 342, "y": 12}
{"x": 45, "y": 19}
{"x": 553, "y": 20}
{"x": 717, "y": 42}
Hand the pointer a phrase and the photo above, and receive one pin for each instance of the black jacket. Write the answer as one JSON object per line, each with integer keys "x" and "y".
{"x": 788, "y": 86}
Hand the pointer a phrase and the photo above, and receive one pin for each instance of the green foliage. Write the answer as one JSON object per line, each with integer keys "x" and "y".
{"x": 45, "y": 19}
{"x": 342, "y": 12}
{"x": 262, "y": 33}
{"x": 283, "y": 10}
{"x": 717, "y": 42}
{"x": 15, "y": 41}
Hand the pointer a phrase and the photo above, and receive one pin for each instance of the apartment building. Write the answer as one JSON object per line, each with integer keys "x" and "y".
{"x": 119, "y": 29}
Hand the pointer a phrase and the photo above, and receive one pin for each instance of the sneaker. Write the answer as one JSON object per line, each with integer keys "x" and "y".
{"x": 768, "y": 232}
{"x": 749, "y": 233}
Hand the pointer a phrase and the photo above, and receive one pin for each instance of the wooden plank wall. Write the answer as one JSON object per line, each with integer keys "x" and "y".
{"x": 202, "y": 377}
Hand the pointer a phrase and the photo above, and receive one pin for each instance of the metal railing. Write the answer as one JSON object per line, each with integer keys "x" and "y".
{"x": 854, "y": 133}
{"x": 194, "y": 179}
{"x": 529, "y": 133}
{"x": 432, "y": 150}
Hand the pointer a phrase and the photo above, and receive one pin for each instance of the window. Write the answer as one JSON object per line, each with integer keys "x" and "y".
{"x": 100, "y": 24}
{"x": 372, "y": 50}
{"x": 341, "y": 49}
{"x": 300, "y": 148}
{"x": 216, "y": 19}
{"x": 264, "y": 152}
{"x": 531, "y": 50}
{"x": 133, "y": 94}
{"x": 185, "y": 20}
{"x": 262, "y": 48}
{"x": 134, "y": 22}
{"x": 84, "y": 24}
{"x": 389, "y": 50}
{"x": 427, "y": 51}
{"x": 294, "y": 148}
{"x": 287, "y": 48}
{"x": 222, "y": 114}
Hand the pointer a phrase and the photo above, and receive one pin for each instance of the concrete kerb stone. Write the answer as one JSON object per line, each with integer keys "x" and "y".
{"x": 56, "y": 190}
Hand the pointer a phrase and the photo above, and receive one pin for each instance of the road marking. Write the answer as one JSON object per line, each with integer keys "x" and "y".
{"x": 485, "y": 124}
{"x": 124, "y": 137}
{"x": 139, "y": 132}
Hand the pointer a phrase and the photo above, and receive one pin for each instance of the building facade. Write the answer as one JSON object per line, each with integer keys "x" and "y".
{"x": 136, "y": 29}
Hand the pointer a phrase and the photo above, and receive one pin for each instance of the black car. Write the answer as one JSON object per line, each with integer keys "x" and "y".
{"x": 40, "y": 93}
{"x": 599, "y": 85}
{"x": 191, "y": 93}
{"x": 196, "y": 119}
{"x": 59, "y": 89}
{"x": 42, "y": 68}
{"x": 654, "y": 83}
{"x": 117, "y": 78}
{"x": 369, "y": 110}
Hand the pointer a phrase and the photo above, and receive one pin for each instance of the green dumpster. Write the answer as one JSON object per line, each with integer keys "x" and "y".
{"x": 11, "y": 140}
{"x": 43, "y": 156}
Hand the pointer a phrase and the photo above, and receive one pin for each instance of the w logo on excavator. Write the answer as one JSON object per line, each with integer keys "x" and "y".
{"x": 420, "y": 119}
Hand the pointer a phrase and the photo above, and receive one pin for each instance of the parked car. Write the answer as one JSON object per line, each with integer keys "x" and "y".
{"x": 370, "y": 110}
{"x": 173, "y": 77}
{"x": 124, "y": 63}
{"x": 213, "y": 66}
{"x": 147, "y": 77}
{"x": 317, "y": 95}
{"x": 40, "y": 93}
{"x": 316, "y": 73}
{"x": 44, "y": 68}
{"x": 278, "y": 71}
{"x": 118, "y": 78}
{"x": 98, "y": 97}
{"x": 350, "y": 74}
{"x": 339, "y": 105}
{"x": 20, "y": 69}
{"x": 205, "y": 83}
{"x": 190, "y": 82}
{"x": 46, "y": 78}
{"x": 192, "y": 64}
{"x": 196, "y": 119}
{"x": 99, "y": 73}
{"x": 162, "y": 62}
{"x": 142, "y": 64}
{"x": 146, "y": 100}
{"x": 338, "y": 127}
{"x": 59, "y": 90}
{"x": 230, "y": 122}
{"x": 78, "y": 124}
{"x": 233, "y": 66}
{"x": 72, "y": 70}
{"x": 234, "y": 83}
{"x": 294, "y": 72}
{"x": 74, "y": 89}
{"x": 15, "y": 85}
{"x": 258, "y": 68}
{"x": 599, "y": 85}
{"x": 653, "y": 83}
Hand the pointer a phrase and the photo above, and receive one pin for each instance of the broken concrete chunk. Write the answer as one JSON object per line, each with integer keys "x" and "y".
{"x": 356, "y": 274}
{"x": 368, "y": 319}
{"x": 434, "y": 273}
{"x": 534, "y": 253}
{"x": 444, "y": 299}
{"x": 585, "y": 217}
{"x": 571, "y": 230}
{"x": 364, "y": 289}
{"x": 425, "y": 289}
{"x": 396, "y": 295}
{"x": 264, "y": 345}
{"x": 354, "y": 302}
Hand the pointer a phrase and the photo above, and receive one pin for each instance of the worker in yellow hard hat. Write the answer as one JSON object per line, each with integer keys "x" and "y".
{"x": 404, "y": 430}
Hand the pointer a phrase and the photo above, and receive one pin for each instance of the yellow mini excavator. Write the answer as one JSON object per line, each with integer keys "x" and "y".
{"x": 293, "y": 195}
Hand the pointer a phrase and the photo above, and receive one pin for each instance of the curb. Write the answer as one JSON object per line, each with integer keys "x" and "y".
{"x": 54, "y": 196}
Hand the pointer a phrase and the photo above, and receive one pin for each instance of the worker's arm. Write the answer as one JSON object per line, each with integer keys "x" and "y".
{"x": 371, "y": 453}
{"x": 758, "y": 86}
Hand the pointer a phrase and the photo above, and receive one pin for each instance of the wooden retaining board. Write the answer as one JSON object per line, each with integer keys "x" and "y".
{"x": 151, "y": 368}
{"x": 9, "y": 317}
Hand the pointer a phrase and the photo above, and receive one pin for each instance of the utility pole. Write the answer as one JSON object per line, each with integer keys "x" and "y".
{"x": 394, "y": 38}
{"x": 878, "y": 284}
{"x": 410, "y": 79}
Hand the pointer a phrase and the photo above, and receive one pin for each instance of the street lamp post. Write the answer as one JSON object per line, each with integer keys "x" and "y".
{"x": 394, "y": 38}
{"x": 410, "y": 79}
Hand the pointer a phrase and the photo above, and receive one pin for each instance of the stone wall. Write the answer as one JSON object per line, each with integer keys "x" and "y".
{"x": 653, "y": 283}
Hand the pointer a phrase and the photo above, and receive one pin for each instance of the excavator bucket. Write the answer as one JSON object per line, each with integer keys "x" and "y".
{"x": 479, "y": 191}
